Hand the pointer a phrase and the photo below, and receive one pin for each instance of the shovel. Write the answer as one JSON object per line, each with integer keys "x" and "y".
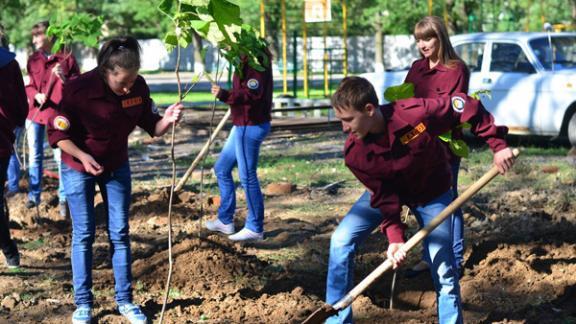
{"x": 327, "y": 310}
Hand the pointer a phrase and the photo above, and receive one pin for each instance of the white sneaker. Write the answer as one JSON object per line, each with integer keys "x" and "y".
{"x": 247, "y": 235}
{"x": 217, "y": 226}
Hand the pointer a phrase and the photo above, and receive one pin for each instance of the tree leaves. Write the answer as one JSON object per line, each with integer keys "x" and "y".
{"x": 219, "y": 22}
{"x": 80, "y": 27}
{"x": 403, "y": 91}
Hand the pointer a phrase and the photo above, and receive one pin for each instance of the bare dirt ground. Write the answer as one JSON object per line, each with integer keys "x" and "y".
{"x": 520, "y": 256}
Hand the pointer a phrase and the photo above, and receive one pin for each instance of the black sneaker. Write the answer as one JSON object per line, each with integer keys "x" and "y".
{"x": 30, "y": 204}
{"x": 12, "y": 255}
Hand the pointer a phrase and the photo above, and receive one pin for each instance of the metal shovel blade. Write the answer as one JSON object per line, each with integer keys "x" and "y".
{"x": 320, "y": 315}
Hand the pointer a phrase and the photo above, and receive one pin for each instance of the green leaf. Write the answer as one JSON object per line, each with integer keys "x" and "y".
{"x": 196, "y": 3}
{"x": 403, "y": 91}
{"x": 446, "y": 137}
{"x": 225, "y": 13}
{"x": 171, "y": 39}
{"x": 165, "y": 6}
{"x": 460, "y": 148}
{"x": 214, "y": 34}
{"x": 482, "y": 92}
{"x": 199, "y": 24}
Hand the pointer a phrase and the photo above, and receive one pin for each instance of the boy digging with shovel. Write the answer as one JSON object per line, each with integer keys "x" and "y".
{"x": 394, "y": 151}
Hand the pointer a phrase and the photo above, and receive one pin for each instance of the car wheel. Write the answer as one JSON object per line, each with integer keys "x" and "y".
{"x": 572, "y": 130}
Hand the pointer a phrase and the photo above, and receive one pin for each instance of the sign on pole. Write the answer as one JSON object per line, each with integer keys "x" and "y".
{"x": 317, "y": 11}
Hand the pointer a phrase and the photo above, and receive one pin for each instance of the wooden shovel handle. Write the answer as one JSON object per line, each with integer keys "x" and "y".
{"x": 202, "y": 152}
{"x": 420, "y": 235}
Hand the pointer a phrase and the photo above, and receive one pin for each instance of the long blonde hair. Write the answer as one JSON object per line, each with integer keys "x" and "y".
{"x": 432, "y": 26}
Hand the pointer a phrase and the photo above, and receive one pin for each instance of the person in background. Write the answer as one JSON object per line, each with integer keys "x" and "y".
{"x": 99, "y": 110}
{"x": 13, "y": 111}
{"x": 388, "y": 149}
{"x": 440, "y": 72}
{"x": 48, "y": 73}
{"x": 250, "y": 101}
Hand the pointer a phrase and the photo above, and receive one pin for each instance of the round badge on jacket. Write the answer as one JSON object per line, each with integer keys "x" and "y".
{"x": 61, "y": 123}
{"x": 253, "y": 84}
{"x": 458, "y": 104}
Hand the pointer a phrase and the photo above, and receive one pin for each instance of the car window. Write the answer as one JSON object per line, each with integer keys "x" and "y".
{"x": 563, "y": 50}
{"x": 508, "y": 57}
{"x": 472, "y": 54}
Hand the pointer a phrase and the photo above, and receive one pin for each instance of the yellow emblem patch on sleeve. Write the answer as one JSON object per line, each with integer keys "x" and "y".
{"x": 131, "y": 102}
{"x": 413, "y": 133}
{"x": 458, "y": 104}
{"x": 61, "y": 123}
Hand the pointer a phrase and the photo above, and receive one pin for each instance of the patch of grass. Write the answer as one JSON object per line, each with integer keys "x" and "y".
{"x": 168, "y": 98}
{"x": 283, "y": 255}
{"x": 526, "y": 172}
{"x": 18, "y": 270}
{"x": 26, "y": 296}
{"x": 174, "y": 293}
{"x": 33, "y": 245}
{"x": 303, "y": 172}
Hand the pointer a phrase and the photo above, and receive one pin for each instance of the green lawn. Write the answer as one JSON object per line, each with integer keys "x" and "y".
{"x": 167, "y": 98}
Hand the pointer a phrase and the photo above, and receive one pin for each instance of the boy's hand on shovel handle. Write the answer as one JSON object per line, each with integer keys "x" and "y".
{"x": 504, "y": 159}
{"x": 396, "y": 254}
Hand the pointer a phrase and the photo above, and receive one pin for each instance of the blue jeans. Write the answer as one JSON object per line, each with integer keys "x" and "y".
{"x": 14, "y": 165}
{"x": 457, "y": 220}
{"x": 115, "y": 187}
{"x": 35, "y": 137}
{"x": 357, "y": 225}
{"x": 242, "y": 148}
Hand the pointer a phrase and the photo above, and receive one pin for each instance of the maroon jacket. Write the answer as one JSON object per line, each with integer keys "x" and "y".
{"x": 408, "y": 165}
{"x": 13, "y": 104}
{"x": 251, "y": 96}
{"x": 40, "y": 73}
{"x": 439, "y": 81}
{"x": 99, "y": 121}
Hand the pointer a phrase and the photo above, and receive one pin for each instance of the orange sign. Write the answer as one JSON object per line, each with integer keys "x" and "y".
{"x": 412, "y": 134}
{"x": 127, "y": 103}
{"x": 317, "y": 11}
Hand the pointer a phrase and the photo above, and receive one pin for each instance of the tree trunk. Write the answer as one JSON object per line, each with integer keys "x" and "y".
{"x": 573, "y": 12}
{"x": 378, "y": 44}
{"x": 449, "y": 18}
{"x": 199, "y": 65}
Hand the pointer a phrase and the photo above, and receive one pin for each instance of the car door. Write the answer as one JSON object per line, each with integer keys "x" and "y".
{"x": 514, "y": 86}
{"x": 472, "y": 53}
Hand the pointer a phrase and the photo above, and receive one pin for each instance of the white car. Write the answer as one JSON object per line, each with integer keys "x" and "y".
{"x": 531, "y": 76}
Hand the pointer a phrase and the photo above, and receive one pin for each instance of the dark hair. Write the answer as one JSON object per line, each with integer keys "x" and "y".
{"x": 122, "y": 52}
{"x": 3, "y": 38}
{"x": 433, "y": 26}
{"x": 40, "y": 27}
{"x": 354, "y": 92}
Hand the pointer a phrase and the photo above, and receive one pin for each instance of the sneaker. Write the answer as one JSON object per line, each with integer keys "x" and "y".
{"x": 30, "y": 204}
{"x": 133, "y": 313}
{"x": 247, "y": 235}
{"x": 63, "y": 209}
{"x": 13, "y": 262}
{"x": 418, "y": 269}
{"x": 82, "y": 315}
{"x": 217, "y": 226}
